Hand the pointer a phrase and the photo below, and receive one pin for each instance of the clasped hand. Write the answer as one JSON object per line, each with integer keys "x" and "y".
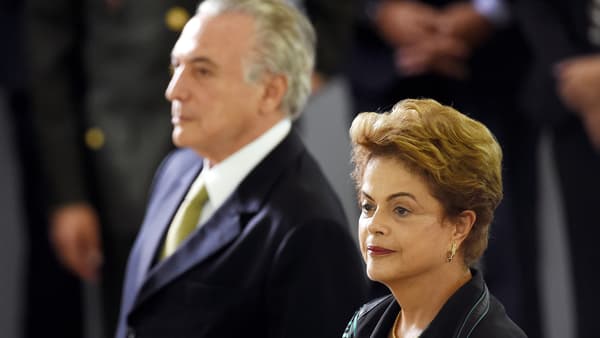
{"x": 429, "y": 39}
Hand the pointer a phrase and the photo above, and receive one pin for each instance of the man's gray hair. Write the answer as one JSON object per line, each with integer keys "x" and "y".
{"x": 285, "y": 44}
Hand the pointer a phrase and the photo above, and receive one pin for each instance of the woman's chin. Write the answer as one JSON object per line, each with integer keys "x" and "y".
{"x": 377, "y": 275}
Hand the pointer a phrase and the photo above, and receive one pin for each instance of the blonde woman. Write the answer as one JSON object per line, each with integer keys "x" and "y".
{"x": 428, "y": 181}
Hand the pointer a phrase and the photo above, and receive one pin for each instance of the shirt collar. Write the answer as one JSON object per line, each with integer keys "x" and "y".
{"x": 223, "y": 178}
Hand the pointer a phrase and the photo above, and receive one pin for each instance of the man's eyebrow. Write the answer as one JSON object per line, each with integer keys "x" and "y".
{"x": 196, "y": 60}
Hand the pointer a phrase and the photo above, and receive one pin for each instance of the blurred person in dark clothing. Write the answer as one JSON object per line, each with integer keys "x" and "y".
{"x": 48, "y": 301}
{"x": 97, "y": 74}
{"x": 561, "y": 94}
{"x": 461, "y": 54}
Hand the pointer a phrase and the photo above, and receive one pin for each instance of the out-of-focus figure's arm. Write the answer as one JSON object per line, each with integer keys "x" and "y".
{"x": 578, "y": 81}
{"x": 54, "y": 31}
{"x": 403, "y": 23}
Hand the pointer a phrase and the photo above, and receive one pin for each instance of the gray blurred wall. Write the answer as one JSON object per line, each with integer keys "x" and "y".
{"x": 11, "y": 226}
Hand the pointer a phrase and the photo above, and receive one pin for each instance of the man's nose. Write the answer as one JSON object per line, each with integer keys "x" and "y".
{"x": 176, "y": 90}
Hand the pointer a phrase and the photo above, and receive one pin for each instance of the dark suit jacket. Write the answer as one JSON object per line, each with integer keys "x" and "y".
{"x": 275, "y": 260}
{"x": 106, "y": 67}
{"x": 471, "y": 312}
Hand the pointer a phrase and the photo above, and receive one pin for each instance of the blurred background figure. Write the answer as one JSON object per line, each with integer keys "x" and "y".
{"x": 33, "y": 283}
{"x": 561, "y": 94}
{"x": 98, "y": 73}
{"x": 462, "y": 54}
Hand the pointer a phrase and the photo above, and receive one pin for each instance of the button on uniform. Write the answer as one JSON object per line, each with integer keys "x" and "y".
{"x": 176, "y": 17}
{"x": 94, "y": 138}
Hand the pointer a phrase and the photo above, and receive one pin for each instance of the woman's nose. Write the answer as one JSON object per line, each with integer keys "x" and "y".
{"x": 376, "y": 224}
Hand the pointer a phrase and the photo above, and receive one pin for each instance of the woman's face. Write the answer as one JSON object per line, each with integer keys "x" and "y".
{"x": 402, "y": 230}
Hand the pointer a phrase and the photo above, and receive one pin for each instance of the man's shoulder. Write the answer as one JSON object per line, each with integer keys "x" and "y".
{"x": 294, "y": 175}
{"x": 298, "y": 194}
{"x": 303, "y": 187}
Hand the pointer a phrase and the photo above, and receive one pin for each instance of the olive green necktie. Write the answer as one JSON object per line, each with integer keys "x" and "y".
{"x": 184, "y": 222}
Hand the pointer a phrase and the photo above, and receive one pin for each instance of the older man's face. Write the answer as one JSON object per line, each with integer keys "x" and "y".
{"x": 215, "y": 111}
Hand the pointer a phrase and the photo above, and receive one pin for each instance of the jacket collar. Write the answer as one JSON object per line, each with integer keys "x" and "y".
{"x": 459, "y": 315}
{"x": 221, "y": 229}
{"x": 463, "y": 311}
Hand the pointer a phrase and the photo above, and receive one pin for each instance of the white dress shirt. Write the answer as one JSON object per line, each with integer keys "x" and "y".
{"x": 223, "y": 178}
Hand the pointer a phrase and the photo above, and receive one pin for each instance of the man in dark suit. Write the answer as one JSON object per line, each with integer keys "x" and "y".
{"x": 267, "y": 253}
{"x": 97, "y": 68}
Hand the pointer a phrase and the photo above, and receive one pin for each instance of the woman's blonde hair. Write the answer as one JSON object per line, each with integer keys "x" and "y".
{"x": 458, "y": 157}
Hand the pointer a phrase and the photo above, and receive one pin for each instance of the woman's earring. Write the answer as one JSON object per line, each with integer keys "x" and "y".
{"x": 451, "y": 252}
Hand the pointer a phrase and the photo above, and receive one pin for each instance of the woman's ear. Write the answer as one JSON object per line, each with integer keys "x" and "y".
{"x": 275, "y": 88}
{"x": 464, "y": 224}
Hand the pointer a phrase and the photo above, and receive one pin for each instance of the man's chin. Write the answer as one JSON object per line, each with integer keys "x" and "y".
{"x": 177, "y": 138}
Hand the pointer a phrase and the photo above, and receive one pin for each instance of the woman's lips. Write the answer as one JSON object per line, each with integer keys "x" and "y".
{"x": 378, "y": 251}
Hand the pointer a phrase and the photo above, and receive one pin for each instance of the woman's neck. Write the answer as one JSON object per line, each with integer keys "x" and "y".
{"x": 421, "y": 297}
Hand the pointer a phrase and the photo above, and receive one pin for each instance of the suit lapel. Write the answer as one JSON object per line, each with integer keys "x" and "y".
{"x": 253, "y": 190}
{"x": 157, "y": 221}
{"x": 219, "y": 231}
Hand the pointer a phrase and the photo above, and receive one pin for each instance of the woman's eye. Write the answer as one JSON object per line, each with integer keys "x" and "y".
{"x": 401, "y": 211}
{"x": 367, "y": 208}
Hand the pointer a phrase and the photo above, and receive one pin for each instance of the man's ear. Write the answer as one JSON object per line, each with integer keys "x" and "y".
{"x": 275, "y": 89}
{"x": 463, "y": 225}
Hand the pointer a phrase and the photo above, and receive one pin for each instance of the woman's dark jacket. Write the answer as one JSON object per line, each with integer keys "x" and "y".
{"x": 471, "y": 312}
